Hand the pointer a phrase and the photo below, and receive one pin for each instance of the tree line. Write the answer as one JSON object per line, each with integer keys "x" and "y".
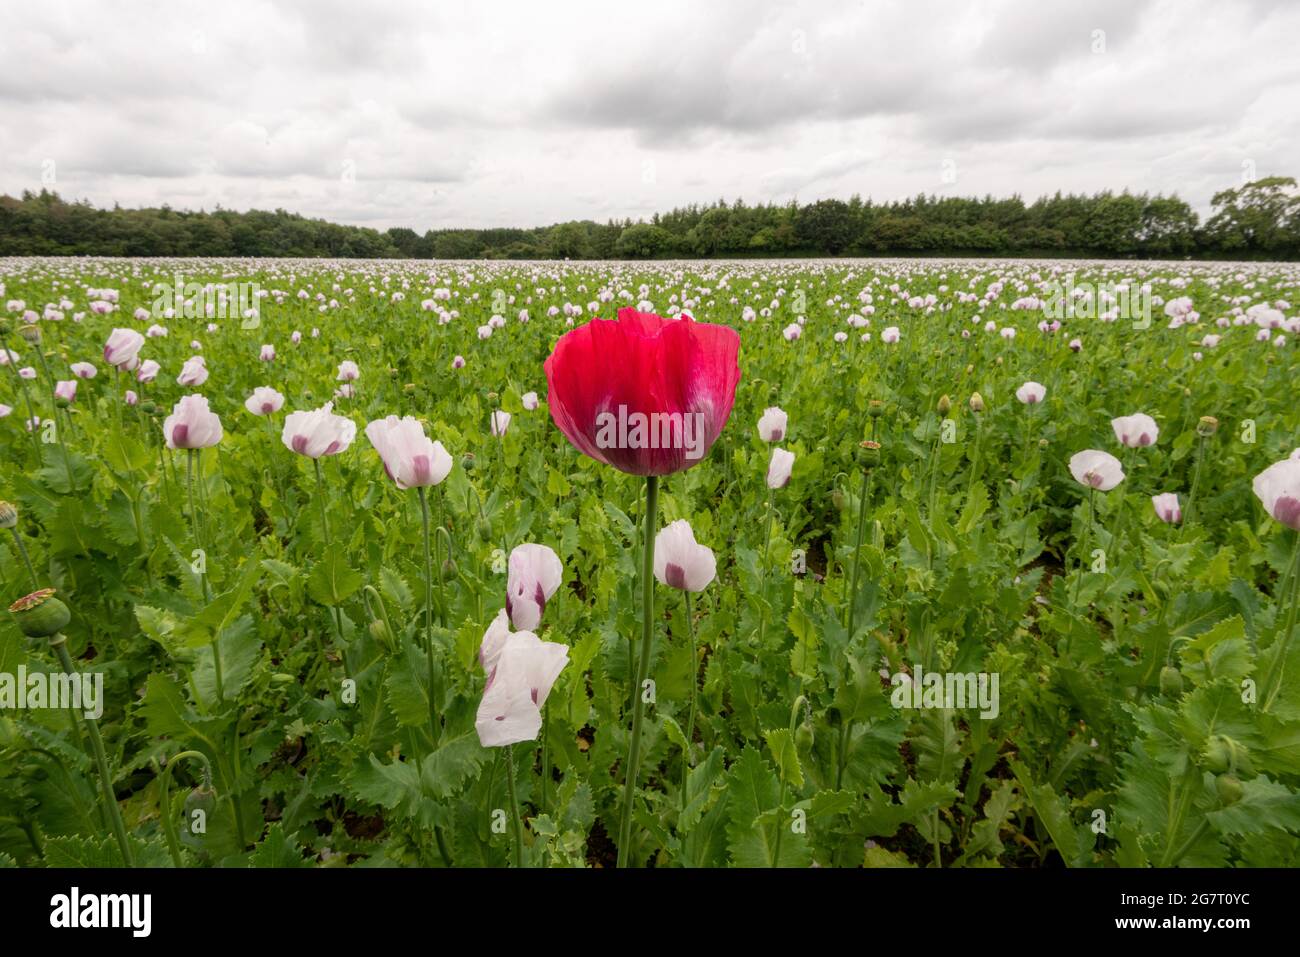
{"x": 1259, "y": 219}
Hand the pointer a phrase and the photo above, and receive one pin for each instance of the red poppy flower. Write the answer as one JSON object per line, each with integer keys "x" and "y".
{"x": 644, "y": 394}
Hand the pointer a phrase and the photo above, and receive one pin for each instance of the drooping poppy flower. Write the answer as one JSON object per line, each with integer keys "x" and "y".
{"x": 192, "y": 425}
{"x": 772, "y": 424}
{"x": 534, "y": 574}
{"x": 410, "y": 458}
{"x": 1278, "y": 488}
{"x": 264, "y": 401}
{"x": 318, "y": 432}
{"x": 1031, "y": 393}
{"x": 779, "y": 468}
{"x": 680, "y": 561}
{"x": 122, "y": 347}
{"x": 1096, "y": 469}
{"x": 644, "y": 394}
{"x": 1135, "y": 431}
{"x": 523, "y": 673}
{"x": 1167, "y": 507}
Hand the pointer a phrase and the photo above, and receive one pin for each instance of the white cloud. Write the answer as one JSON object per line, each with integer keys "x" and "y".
{"x": 520, "y": 113}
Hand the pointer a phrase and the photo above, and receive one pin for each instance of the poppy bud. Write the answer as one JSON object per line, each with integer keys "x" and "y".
{"x": 803, "y": 737}
{"x": 945, "y": 405}
{"x": 1218, "y": 754}
{"x": 448, "y": 569}
{"x": 392, "y": 373}
{"x": 1171, "y": 681}
{"x": 380, "y": 633}
{"x": 199, "y": 806}
{"x": 148, "y": 407}
{"x": 409, "y": 388}
{"x": 837, "y": 499}
{"x": 868, "y": 454}
{"x": 30, "y": 333}
{"x": 1207, "y": 426}
{"x": 40, "y": 614}
{"x": 8, "y": 515}
{"x": 1229, "y": 789}
{"x": 998, "y": 360}
{"x": 976, "y": 402}
{"x": 1042, "y": 443}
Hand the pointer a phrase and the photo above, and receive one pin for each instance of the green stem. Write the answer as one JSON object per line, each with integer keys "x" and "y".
{"x": 687, "y": 754}
{"x": 60, "y": 644}
{"x": 1087, "y": 536}
{"x": 165, "y": 799}
{"x": 428, "y": 609}
{"x": 767, "y": 548}
{"x": 847, "y": 726}
{"x": 1196, "y": 483}
{"x": 514, "y": 806}
{"x": 1276, "y": 668}
{"x": 203, "y": 576}
{"x": 643, "y": 665}
{"x": 22, "y": 549}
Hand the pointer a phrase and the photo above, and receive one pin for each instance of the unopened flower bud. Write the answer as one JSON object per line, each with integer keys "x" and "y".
{"x": 945, "y": 404}
{"x": 976, "y": 402}
{"x": 1229, "y": 789}
{"x": 380, "y": 633}
{"x": 1171, "y": 681}
{"x": 448, "y": 569}
{"x": 30, "y": 333}
{"x": 8, "y": 515}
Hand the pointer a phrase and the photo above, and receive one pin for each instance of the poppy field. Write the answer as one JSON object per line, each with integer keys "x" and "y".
{"x": 836, "y": 563}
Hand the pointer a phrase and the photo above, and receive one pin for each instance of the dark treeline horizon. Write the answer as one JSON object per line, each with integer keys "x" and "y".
{"x": 1257, "y": 220}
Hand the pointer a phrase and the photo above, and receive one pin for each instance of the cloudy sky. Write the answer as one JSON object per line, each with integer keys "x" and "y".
{"x": 430, "y": 114}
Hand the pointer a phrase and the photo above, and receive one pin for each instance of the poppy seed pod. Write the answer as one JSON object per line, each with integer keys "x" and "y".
{"x": 40, "y": 614}
{"x": 976, "y": 402}
{"x": 945, "y": 405}
{"x": 467, "y": 461}
{"x": 875, "y": 408}
{"x": 1207, "y": 426}
{"x": 8, "y": 515}
{"x": 868, "y": 454}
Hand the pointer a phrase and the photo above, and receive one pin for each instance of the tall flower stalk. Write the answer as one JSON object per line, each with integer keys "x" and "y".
{"x": 643, "y": 665}
{"x": 41, "y": 615}
{"x": 643, "y": 365}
